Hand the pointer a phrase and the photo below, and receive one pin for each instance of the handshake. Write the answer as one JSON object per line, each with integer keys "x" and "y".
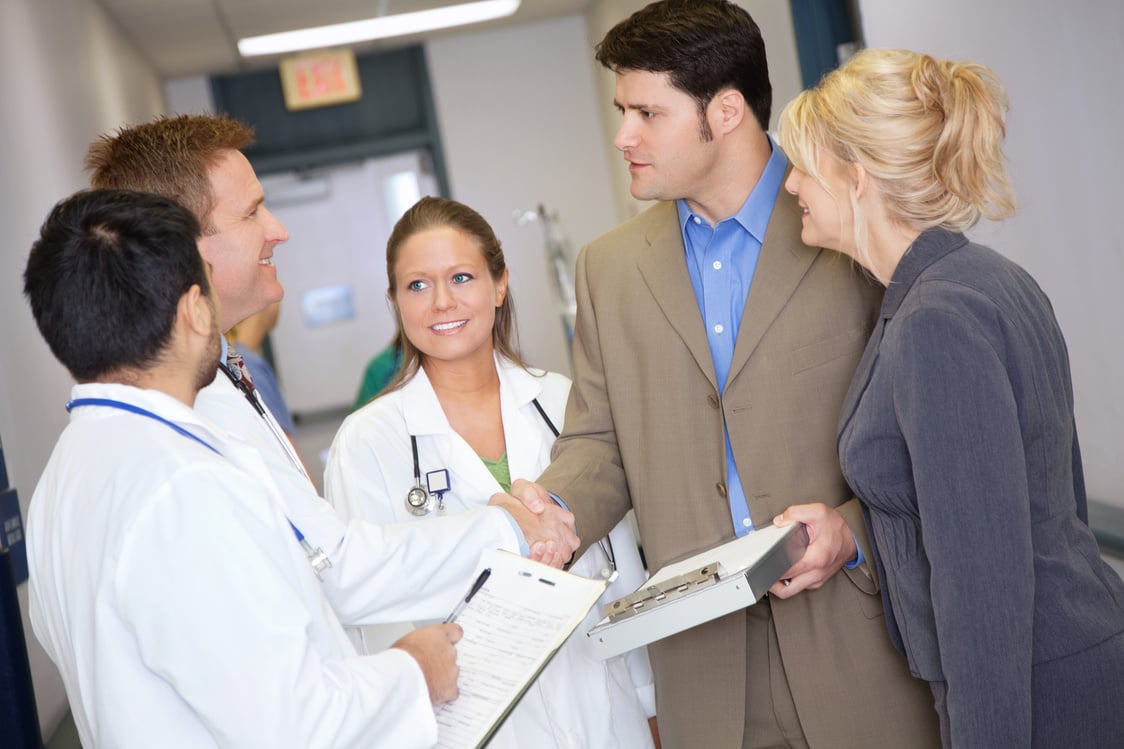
{"x": 548, "y": 528}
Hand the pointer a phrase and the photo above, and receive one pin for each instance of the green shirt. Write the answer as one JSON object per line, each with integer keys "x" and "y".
{"x": 380, "y": 371}
{"x": 499, "y": 469}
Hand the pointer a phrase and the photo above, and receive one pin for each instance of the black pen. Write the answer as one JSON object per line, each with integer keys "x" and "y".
{"x": 476, "y": 586}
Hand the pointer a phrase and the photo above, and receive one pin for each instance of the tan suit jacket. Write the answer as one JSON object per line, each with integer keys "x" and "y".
{"x": 644, "y": 429}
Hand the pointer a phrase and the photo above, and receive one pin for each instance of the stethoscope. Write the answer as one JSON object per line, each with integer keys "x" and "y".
{"x": 270, "y": 422}
{"x": 421, "y": 500}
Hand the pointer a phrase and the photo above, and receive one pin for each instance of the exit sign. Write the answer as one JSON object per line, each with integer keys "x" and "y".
{"x": 319, "y": 80}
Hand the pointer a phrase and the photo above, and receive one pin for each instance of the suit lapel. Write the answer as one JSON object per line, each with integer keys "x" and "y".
{"x": 783, "y": 262}
{"x": 664, "y": 269}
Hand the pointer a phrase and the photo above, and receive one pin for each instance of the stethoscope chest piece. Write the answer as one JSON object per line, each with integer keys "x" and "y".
{"x": 419, "y": 501}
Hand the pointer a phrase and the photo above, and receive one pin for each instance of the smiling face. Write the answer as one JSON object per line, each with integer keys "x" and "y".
{"x": 445, "y": 295}
{"x": 828, "y": 218}
{"x": 240, "y": 235}
{"x": 661, "y": 138}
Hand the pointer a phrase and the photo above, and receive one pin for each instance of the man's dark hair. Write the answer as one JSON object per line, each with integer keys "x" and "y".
{"x": 704, "y": 46}
{"x": 105, "y": 278}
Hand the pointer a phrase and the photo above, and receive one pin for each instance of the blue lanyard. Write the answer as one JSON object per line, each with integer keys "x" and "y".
{"x": 122, "y": 406}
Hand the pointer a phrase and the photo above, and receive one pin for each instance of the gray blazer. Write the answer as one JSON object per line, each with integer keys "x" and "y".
{"x": 958, "y": 435}
{"x": 644, "y": 429}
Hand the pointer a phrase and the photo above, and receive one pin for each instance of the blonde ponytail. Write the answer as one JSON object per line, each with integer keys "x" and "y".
{"x": 929, "y": 132}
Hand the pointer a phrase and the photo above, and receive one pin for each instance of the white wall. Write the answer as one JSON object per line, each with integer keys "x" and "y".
{"x": 520, "y": 125}
{"x": 1063, "y": 65}
{"x": 69, "y": 75}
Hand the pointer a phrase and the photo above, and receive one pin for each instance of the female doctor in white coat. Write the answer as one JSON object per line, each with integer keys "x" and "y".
{"x": 462, "y": 418}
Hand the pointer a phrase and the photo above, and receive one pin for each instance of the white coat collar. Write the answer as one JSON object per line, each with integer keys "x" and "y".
{"x": 156, "y": 401}
{"x": 230, "y": 446}
{"x": 526, "y": 435}
{"x": 423, "y": 412}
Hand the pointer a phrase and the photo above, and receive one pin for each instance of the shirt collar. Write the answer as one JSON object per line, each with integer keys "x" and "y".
{"x": 754, "y": 214}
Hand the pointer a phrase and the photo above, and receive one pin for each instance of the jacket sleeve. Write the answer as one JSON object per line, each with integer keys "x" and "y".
{"x": 865, "y": 575}
{"x": 586, "y": 470}
{"x": 958, "y": 414}
{"x": 398, "y": 572}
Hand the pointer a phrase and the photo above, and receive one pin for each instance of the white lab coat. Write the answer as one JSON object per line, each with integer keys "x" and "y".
{"x": 169, "y": 590}
{"x": 379, "y": 573}
{"x": 578, "y": 701}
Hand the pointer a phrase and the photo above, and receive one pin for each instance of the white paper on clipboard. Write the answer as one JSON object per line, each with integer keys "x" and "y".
{"x": 513, "y": 626}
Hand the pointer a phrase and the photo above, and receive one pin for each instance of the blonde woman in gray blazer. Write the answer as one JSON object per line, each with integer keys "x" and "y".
{"x": 958, "y": 430}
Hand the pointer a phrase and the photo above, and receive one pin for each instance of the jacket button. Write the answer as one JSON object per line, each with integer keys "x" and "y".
{"x": 712, "y": 399}
{"x": 721, "y": 487}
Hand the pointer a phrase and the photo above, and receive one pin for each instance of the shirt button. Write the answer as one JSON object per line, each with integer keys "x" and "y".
{"x": 696, "y": 219}
{"x": 746, "y": 522}
{"x": 718, "y": 328}
{"x": 717, "y": 265}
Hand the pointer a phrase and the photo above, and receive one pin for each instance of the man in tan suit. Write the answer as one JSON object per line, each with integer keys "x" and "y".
{"x": 711, "y": 356}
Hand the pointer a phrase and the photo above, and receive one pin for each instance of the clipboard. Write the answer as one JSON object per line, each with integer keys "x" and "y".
{"x": 705, "y": 586}
{"x": 514, "y": 622}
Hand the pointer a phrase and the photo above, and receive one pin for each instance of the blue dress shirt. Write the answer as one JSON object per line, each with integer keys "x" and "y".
{"x": 721, "y": 261}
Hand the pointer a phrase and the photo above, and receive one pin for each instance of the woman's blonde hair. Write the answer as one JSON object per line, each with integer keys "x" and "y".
{"x": 929, "y": 132}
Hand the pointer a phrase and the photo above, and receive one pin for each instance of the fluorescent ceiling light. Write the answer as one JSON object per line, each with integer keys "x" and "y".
{"x": 376, "y": 28}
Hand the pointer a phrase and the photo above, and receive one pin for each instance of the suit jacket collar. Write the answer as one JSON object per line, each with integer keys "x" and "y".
{"x": 664, "y": 269}
{"x": 780, "y": 267}
{"x": 783, "y": 262}
{"x": 929, "y": 247}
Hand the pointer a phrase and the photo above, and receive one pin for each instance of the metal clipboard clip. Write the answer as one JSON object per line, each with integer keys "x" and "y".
{"x": 648, "y": 598}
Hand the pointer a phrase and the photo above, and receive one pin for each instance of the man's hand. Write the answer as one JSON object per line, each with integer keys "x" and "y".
{"x": 534, "y": 496}
{"x": 830, "y": 546}
{"x": 432, "y": 647}
{"x": 548, "y": 528}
